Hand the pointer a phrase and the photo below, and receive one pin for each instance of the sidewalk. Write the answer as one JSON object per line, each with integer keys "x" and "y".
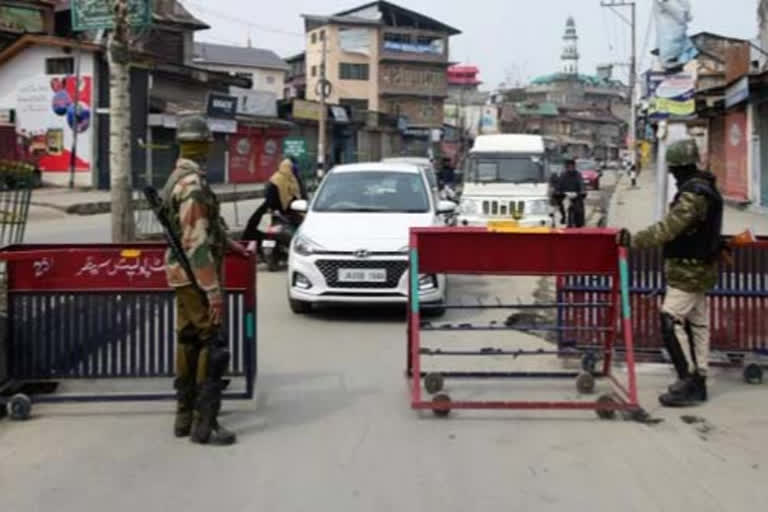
{"x": 94, "y": 202}
{"x": 635, "y": 208}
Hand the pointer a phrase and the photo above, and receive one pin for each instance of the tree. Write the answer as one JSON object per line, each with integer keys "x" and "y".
{"x": 121, "y": 187}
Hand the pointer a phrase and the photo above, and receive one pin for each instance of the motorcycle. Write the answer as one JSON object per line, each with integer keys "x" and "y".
{"x": 574, "y": 209}
{"x": 276, "y": 240}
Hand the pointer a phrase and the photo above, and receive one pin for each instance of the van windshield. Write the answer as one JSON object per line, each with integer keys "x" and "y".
{"x": 501, "y": 169}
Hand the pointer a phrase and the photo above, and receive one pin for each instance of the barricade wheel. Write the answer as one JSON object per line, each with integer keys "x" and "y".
{"x": 434, "y": 383}
{"x": 585, "y": 383}
{"x": 589, "y": 362}
{"x": 606, "y": 414}
{"x": 753, "y": 374}
{"x": 441, "y": 402}
{"x": 19, "y": 407}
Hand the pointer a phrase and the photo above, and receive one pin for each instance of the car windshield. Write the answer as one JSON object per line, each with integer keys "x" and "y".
{"x": 586, "y": 165}
{"x": 507, "y": 170}
{"x": 373, "y": 191}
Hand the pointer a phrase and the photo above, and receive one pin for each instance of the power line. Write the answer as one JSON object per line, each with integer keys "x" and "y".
{"x": 240, "y": 21}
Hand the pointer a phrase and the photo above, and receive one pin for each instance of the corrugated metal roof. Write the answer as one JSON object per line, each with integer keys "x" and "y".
{"x": 207, "y": 53}
{"x": 537, "y": 109}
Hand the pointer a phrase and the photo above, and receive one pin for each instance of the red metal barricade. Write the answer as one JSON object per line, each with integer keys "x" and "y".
{"x": 583, "y": 252}
{"x": 739, "y": 329}
{"x": 106, "y": 312}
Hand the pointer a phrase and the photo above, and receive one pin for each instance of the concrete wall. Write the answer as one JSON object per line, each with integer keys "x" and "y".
{"x": 343, "y": 89}
{"x": 25, "y": 87}
{"x": 261, "y": 77}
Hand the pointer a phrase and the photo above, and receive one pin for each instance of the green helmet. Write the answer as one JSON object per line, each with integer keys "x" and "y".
{"x": 682, "y": 153}
{"x": 193, "y": 128}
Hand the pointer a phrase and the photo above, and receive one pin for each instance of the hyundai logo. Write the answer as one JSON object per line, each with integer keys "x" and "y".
{"x": 362, "y": 254}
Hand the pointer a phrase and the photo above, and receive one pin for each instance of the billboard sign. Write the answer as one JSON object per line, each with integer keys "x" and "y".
{"x": 98, "y": 14}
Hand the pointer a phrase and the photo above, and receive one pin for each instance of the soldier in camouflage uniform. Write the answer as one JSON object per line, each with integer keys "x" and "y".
{"x": 202, "y": 355}
{"x": 691, "y": 237}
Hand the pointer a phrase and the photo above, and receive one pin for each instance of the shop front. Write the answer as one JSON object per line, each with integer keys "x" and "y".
{"x": 255, "y": 152}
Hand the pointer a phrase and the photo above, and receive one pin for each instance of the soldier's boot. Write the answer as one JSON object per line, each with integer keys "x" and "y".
{"x": 185, "y": 407}
{"x": 206, "y": 428}
{"x": 692, "y": 391}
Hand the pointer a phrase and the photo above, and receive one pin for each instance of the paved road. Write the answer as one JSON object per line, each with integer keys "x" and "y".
{"x": 331, "y": 429}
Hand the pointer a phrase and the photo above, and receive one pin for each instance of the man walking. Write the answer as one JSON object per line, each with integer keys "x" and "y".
{"x": 691, "y": 237}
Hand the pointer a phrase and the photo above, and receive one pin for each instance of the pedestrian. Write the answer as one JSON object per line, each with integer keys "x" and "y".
{"x": 202, "y": 355}
{"x": 691, "y": 237}
{"x": 282, "y": 189}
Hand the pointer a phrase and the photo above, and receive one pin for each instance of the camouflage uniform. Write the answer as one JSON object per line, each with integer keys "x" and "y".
{"x": 690, "y": 235}
{"x": 195, "y": 217}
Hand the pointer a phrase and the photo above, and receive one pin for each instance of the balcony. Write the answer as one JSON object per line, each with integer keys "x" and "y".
{"x": 414, "y": 47}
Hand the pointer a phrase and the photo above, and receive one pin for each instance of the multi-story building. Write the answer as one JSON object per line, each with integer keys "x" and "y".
{"x": 296, "y": 80}
{"x": 381, "y": 57}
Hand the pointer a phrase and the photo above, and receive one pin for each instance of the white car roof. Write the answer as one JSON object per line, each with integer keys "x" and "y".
{"x": 409, "y": 160}
{"x": 378, "y": 167}
{"x": 509, "y": 143}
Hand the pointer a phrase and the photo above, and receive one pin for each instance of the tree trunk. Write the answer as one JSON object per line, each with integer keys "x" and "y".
{"x": 123, "y": 222}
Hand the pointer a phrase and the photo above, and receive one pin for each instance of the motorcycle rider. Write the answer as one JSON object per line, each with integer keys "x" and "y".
{"x": 691, "y": 237}
{"x": 282, "y": 189}
{"x": 571, "y": 181}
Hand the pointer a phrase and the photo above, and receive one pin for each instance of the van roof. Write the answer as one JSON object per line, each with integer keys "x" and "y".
{"x": 509, "y": 143}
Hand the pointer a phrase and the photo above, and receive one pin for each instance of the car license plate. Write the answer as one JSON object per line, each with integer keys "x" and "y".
{"x": 368, "y": 275}
{"x": 269, "y": 244}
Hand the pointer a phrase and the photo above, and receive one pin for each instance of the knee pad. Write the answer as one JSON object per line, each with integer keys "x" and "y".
{"x": 672, "y": 343}
{"x": 218, "y": 361}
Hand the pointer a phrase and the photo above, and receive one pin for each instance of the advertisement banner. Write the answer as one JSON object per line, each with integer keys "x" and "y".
{"x": 46, "y": 118}
{"x": 736, "y": 155}
{"x": 254, "y": 157}
{"x": 355, "y": 40}
{"x": 671, "y": 96}
{"x": 306, "y": 110}
{"x": 255, "y": 103}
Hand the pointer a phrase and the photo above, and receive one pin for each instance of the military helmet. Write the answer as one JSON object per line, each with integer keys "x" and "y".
{"x": 193, "y": 128}
{"x": 682, "y": 153}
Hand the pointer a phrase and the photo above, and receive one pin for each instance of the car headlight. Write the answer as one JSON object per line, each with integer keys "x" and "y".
{"x": 427, "y": 282}
{"x": 539, "y": 207}
{"x": 468, "y": 207}
{"x": 303, "y": 246}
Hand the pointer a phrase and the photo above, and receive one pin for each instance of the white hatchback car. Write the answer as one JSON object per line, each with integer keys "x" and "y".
{"x": 353, "y": 244}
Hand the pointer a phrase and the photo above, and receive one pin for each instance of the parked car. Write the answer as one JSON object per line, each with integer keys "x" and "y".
{"x": 353, "y": 245}
{"x": 590, "y": 172}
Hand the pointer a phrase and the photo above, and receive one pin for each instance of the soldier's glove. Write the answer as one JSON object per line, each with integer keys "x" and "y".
{"x": 624, "y": 238}
{"x": 216, "y": 307}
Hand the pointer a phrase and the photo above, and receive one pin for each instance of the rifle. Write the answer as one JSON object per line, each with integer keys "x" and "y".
{"x": 161, "y": 213}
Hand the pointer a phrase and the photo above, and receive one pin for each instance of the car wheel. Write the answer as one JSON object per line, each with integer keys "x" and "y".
{"x": 299, "y": 307}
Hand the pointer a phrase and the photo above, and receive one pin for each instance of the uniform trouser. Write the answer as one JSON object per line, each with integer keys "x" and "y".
{"x": 691, "y": 314}
{"x": 194, "y": 330}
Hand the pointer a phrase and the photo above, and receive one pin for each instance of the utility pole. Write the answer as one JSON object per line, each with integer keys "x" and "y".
{"x": 323, "y": 110}
{"x": 632, "y": 22}
{"x": 123, "y": 222}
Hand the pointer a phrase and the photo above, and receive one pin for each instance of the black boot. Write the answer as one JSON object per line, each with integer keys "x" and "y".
{"x": 206, "y": 428}
{"x": 686, "y": 392}
{"x": 185, "y": 396}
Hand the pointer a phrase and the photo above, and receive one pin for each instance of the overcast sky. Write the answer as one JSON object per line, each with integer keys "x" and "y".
{"x": 509, "y": 40}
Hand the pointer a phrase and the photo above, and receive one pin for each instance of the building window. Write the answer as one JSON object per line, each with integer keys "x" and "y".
{"x": 313, "y": 38}
{"x": 322, "y": 35}
{"x": 270, "y": 80}
{"x": 353, "y": 71}
{"x": 314, "y": 71}
{"x": 397, "y": 38}
{"x": 60, "y": 66}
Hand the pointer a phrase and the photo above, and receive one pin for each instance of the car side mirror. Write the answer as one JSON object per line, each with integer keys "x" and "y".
{"x": 300, "y": 206}
{"x": 444, "y": 207}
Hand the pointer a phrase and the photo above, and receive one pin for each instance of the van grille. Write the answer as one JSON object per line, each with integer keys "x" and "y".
{"x": 495, "y": 208}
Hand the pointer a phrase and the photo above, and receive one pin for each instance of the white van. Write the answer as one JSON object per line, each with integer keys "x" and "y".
{"x": 506, "y": 178}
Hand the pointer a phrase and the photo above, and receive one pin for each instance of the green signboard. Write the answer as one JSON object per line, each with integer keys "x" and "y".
{"x": 98, "y": 14}
{"x": 296, "y": 147}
